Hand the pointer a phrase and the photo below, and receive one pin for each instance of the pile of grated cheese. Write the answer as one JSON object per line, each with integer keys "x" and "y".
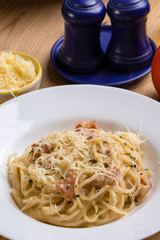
{"x": 15, "y": 71}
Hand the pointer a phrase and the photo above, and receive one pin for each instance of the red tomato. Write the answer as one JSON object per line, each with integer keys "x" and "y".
{"x": 155, "y": 70}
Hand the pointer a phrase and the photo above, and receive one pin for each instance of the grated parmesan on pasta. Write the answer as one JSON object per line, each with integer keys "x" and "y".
{"x": 15, "y": 71}
{"x": 80, "y": 178}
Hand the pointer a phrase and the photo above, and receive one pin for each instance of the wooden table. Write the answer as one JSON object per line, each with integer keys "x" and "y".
{"x": 33, "y": 26}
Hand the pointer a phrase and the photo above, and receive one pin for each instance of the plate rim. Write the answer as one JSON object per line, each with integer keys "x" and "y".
{"x": 76, "y": 86}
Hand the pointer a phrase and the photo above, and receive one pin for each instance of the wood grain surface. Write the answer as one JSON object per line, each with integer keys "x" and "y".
{"x": 33, "y": 26}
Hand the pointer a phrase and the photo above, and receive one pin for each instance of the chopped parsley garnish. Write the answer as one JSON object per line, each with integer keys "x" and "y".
{"x": 125, "y": 144}
{"x": 97, "y": 212}
{"x": 77, "y": 196}
{"x": 146, "y": 169}
{"x": 133, "y": 166}
{"x": 93, "y": 161}
{"x": 35, "y": 187}
{"x": 30, "y": 181}
{"x": 61, "y": 177}
{"x": 67, "y": 174}
{"x": 131, "y": 157}
{"x": 67, "y": 187}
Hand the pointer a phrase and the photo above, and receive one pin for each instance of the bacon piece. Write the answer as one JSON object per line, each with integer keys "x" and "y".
{"x": 66, "y": 186}
{"x": 145, "y": 186}
{"x": 47, "y": 147}
{"x": 87, "y": 125}
{"x": 99, "y": 181}
{"x": 82, "y": 178}
{"x": 103, "y": 180}
{"x": 35, "y": 145}
{"x": 84, "y": 128}
{"x": 107, "y": 151}
{"x": 116, "y": 171}
{"x": 87, "y": 133}
{"x": 43, "y": 146}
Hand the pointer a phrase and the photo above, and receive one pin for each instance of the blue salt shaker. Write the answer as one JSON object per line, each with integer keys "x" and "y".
{"x": 129, "y": 48}
{"x": 81, "y": 50}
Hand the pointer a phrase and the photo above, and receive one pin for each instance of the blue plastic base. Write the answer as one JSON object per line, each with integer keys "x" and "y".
{"x": 107, "y": 75}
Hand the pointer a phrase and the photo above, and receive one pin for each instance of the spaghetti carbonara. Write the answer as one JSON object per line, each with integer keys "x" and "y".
{"x": 85, "y": 177}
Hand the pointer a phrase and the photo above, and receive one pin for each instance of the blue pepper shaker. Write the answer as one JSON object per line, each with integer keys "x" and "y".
{"x": 81, "y": 50}
{"x": 129, "y": 48}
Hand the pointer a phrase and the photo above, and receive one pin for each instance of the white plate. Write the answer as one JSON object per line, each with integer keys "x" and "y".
{"x": 32, "y": 116}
